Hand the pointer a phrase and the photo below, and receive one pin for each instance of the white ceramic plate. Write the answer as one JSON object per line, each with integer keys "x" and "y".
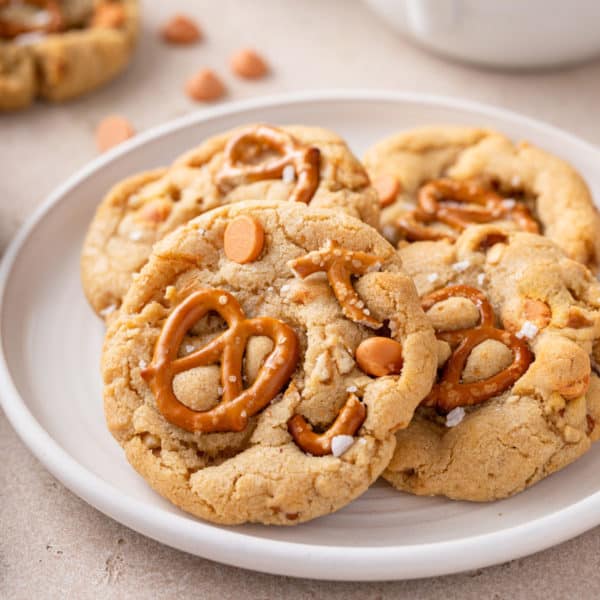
{"x": 51, "y": 389}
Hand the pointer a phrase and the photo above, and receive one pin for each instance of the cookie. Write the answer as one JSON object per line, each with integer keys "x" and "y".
{"x": 435, "y": 181}
{"x": 262, "y": 359}
{"x": 258, "y": 162}
{"x": 516, "y": 398}
{"x": 57, "y": 50}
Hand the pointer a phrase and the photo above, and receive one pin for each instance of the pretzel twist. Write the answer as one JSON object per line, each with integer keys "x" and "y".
{"x": 305, "y": 160}
{"x": 237, "y": 404}
{"x": 442, "y": 201}
{"x": 349, "y": 420}
{"x": 449, "y": 392}
{"x": 10, "y": 29}
{"x": 340, "y": 264}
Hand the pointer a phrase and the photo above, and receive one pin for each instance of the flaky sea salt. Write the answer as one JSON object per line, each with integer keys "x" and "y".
{"x": 289, "y": 174}
{"x": 432, "y": 277}
{"x": 143, "y": 364}
{"x": 223, "y": 300}
{"x": 108, "y": 310}
{"x": 285, "y": 288}
{"x": 528, "y": 330}
{"x": 461, "y": 265}
{"x": 135, "y": 236}
{"x": 455, "y": 416}
{"x": 341, "y": 443}
{"x": 352, "y": 389}
{"x": 515, "y": 181}
{"x": 189, "y": 348}
{"x": 480, "y": 278}
{"x": 509, "y": 203}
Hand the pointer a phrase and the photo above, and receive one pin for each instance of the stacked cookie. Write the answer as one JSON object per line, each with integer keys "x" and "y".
{"x": 59, "y": 49}
{"x": 270, "y": 354}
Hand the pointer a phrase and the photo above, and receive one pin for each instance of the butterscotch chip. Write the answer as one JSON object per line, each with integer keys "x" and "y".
{"x": 181, "y": 30}
{"x": 387, "y": 187}
{"x": 204, "y": 86}
{"x": 108, "y": 14}
{"x": 379, "y": 356}
{"x": 244, "y": 239}
{"x": 247, "y": 63}
{"x": 111, "y": 131}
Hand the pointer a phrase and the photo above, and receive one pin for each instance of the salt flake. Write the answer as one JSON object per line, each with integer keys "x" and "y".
{"x": 341, "y": 443}
{"x": 461, "y": 265}
{"x": 455, "y": 416}
{"x": 528, "y": 330}
{"x": 289, "y": 174}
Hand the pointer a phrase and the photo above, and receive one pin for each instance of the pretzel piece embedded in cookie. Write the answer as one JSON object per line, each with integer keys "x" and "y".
{"x": 450, "y": 392}
{"x": 305, "y": 160}
{"x": 446, "y": 201}
{"x": 348, "y": 422}
{"x": 340, "y": 264}
{"x": 237, "y": 404}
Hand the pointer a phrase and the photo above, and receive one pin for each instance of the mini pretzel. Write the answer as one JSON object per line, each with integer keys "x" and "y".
{"x": 304, "y": 159}
{"x": 443, "y": 201}
{"x": 11, "y": 29}
{"x": 237, "y": 404}
{"x": 348, "y": 422}
{"x": 449, "y": 392}
{"x": 340, "y": 264}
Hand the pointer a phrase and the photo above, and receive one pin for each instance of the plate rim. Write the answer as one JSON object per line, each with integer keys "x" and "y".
{"x": 359, "y": 563}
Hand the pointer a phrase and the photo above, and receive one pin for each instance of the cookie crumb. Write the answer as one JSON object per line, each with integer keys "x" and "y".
{"x": 455, "y": 416}
{"x": 528, "y": 330}
{"x": 247, "y": 63}
{"x": 112, "y": 131}
{"x": 461, "y": 265}
{"x": 341, "y": 443}
{"x": 205, "y": 86}
{"x": 181, "y": 30}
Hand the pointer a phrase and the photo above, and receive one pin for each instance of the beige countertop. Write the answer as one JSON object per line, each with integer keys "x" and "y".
{"x": 52, "y": 544}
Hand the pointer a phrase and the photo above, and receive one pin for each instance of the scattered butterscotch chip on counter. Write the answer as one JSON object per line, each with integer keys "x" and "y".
{"x": 205, "y": 86}
{"x": 113, "y": 130}
{"x": 247, "y": 63}
{"x": 181, "y": 30}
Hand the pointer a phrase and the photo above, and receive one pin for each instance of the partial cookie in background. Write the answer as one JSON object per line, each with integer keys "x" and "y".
{"x": 305, "y": 164}
{"x": 241, "y": 334}
{"x": 59, "y": 50}
{"x": 436, "y": 180}
{"x": 518, "y": 325}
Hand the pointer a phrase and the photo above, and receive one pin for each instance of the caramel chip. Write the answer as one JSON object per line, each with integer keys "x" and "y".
{"x": 387, "y": 188}
{"x": 244, "y": 239}
{"x": 109, "y": 15}
{"x": 248, "y": 64}
{"x": 111, "y": 131}
{"x": 181, "y": 30}
{"x": 204, "y": 86}
{"x": 379, "y": 356}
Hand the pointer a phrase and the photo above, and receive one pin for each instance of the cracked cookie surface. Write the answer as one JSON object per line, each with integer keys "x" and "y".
{"x": 546, "y": 418}
{"x": 262, "y": 472}
{"x": 520, "y": 175}
{"x": 142, "y": 209}
{"x": 60, "y": 50}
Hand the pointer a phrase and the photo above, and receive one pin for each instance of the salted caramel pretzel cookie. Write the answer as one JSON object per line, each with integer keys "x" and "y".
{"x": 59, "y": 49}
{"x": 433, "y": 182}
{"x": 307, "y": 165}
{"x": 261, "y": 361}
{"x": 516, "y": 397}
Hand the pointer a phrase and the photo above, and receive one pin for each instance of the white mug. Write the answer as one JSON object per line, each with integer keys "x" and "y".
{"x": 501, "y": 33}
